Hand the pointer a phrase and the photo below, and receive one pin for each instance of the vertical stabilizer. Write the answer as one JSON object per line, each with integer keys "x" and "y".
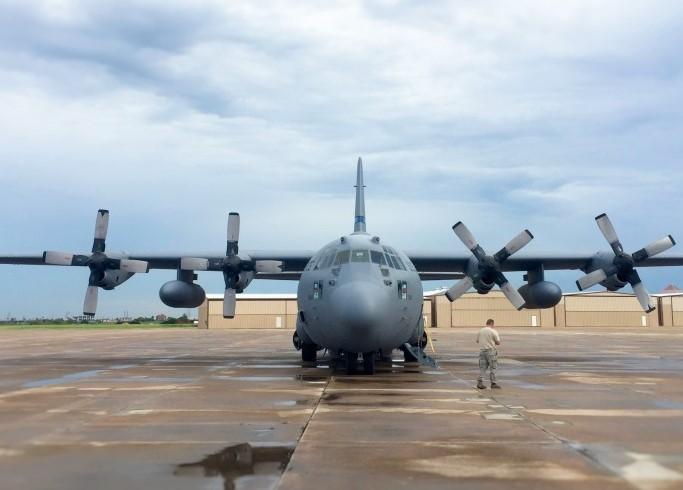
{"x": 359, "y": 226}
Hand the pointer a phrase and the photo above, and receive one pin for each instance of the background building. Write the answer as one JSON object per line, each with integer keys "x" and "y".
{"x": 586, "y": 309}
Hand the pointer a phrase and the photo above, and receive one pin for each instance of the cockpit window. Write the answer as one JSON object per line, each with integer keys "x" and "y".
{"x": 377, "y": 257}
{"x": 359, "y": 256}
{"x": 327, "y": 261}
{"x": 399, "y": 263}
{"x": 342, "y": 257}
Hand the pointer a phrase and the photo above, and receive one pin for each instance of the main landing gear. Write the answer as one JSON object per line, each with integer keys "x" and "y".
{"x": 369, "y": 362}
{"x": 309, "y": 352}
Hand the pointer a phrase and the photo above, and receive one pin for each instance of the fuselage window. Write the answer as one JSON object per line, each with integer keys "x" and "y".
{"x": 342, "y": 257}
{"x": 377, "y": 257}
{"x": 402, "y": 290}
{"x": 359, "y": 256}
{"x": 390, "y": 262}
{"x": 317, "y": 290}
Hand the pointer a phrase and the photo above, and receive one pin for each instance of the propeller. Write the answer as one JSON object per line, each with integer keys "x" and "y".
{"x": 231, "y": 265}
{"x": 489, "y": 271}
{"x": 98, "y": 262}
{"x": 623, "y": 264}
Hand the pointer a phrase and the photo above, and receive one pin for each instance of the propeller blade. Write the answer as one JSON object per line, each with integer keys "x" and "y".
{"x": 268, "y": 266}
{"x": 465, "y": 235}
{"x": 591, "y": 279}
{"x": 609, "y": 233}
{"x": 194, "y": 264}
{"x": 514, "y": 245}
{"x": 233, "y": 227}
{"x": 460, "y": 288}
{"x": 229, "y": 301}
{"x": 90, "y": 303}
{"x": 134, "y": 266}
{"x": 640, "y": 291}
{"x": 57, "y": 258}
{"x": 101, "y": 227}
{"x": 661, "y": 245}
{"x": 512, "y": 295}
{"x": 643, "y": 297}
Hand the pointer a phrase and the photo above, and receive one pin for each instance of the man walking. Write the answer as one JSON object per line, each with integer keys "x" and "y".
{"x": 488, "y": 339}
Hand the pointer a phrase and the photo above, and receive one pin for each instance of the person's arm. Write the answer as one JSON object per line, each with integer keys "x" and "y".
{"x": 478, "y": 334}
{"x": 496, "y": 338}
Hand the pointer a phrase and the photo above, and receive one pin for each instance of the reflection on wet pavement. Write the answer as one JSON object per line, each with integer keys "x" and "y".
{"x": 263, "y": 464}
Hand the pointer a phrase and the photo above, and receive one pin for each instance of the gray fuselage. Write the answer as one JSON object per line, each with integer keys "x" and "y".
{"x": 358, "y": 294}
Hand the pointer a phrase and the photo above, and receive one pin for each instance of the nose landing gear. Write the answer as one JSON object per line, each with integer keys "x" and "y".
{"x": 351, "y": 362}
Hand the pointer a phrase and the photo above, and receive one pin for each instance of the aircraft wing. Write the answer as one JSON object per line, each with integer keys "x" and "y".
{"x": 441, "y": 262}
{"x": 292, "y": 262}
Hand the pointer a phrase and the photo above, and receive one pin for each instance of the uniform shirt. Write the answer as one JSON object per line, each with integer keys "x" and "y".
{"x": 487, "y": 338}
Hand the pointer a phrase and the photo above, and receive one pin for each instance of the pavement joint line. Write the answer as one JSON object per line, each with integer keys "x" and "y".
{"x": 573, "y": 446}
{"x": 303, "y": 432}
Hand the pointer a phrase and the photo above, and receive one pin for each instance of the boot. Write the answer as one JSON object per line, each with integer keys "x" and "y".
{"x": 480, "y": 385}
{"x": 495, "y": 386}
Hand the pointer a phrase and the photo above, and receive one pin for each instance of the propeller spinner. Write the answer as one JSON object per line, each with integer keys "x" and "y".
{"x": 489, "y": 266}
{"x": 624, "y": 264}
{"x": 98, "y": 263}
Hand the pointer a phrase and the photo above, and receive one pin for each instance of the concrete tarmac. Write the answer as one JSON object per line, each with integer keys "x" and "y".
{"x": 186, "y": 408}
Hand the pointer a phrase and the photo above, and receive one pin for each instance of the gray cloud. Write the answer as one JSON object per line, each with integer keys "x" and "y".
{"x": 504, "y": 114}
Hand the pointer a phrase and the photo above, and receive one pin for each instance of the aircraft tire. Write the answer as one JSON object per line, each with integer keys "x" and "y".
{"x": 309, "y": 352}
{"x": 368, "y": 362}
{"x": 351, "y": 361}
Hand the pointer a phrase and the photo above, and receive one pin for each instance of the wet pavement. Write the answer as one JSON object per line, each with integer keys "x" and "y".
{"x": 204, "y": 409}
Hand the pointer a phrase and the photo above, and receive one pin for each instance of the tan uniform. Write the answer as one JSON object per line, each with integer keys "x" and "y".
{"x": 488, "y": 338}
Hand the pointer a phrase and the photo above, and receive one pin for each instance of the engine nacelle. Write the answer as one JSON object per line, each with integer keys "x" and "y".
{"x": 181, "y": 294}
{"x": 541, "y": 294}
{"x": 245, "y": 278}
{"x": 603, "y": 260}
{"x": 613, "y": 283}
{"x": 472, "y": 270}
{"x": 111, "y": 278}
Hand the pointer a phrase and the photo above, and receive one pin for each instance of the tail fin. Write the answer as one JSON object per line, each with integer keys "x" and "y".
{"x": 359, "y": 226}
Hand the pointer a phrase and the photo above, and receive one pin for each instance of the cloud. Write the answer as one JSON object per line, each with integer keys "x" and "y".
{"x": 504, "y": 114}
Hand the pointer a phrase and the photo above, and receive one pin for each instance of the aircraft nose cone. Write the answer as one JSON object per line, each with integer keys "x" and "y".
{"x": 359, "y": 309}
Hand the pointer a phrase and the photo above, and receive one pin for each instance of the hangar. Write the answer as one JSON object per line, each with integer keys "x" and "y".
{"x": 585, "y": 309}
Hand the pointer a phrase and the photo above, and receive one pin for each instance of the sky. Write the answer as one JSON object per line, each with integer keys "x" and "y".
{"x": 503, "y": 114}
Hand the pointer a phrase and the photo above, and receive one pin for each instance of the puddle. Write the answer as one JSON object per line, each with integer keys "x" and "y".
{"x": 557, "y": 359}
{"x": 310, "y": 378}
{"x": 67, "y": 378}
{"x": 256, "y": 378}
{"x": 151, "y": 379}
{"x": 269, "y": 366}
{"x": 292, "y": 403}
{"x": 243, "y": 465}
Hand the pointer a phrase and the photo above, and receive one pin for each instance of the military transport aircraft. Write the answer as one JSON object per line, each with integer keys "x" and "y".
{"x": 357, "y": 294}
